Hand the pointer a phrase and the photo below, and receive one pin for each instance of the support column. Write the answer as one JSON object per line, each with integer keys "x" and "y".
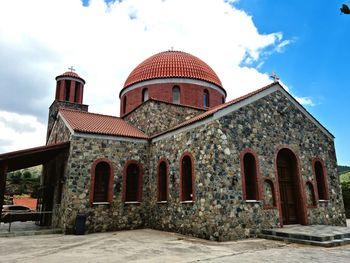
{"x": 3, "y": 173}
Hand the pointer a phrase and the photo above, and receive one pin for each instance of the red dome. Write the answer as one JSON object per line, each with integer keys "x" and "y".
{"x": 70, "y": 74}
{"x": 170, "y": 64}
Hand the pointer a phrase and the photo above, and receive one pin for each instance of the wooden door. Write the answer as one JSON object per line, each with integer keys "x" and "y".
{"x": 288, "y": 191}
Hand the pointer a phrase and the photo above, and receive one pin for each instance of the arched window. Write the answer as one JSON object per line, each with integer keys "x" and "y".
{"x": 223, "y": 99}
{"x": 162, "y": 181}
{"x": 249, "y": 177}
{"x": 269, "y": 196}
{"x": 124, "y": 104}
{"x": 205, "y": 98}
{"x": 176, "y": 94}
{"x": 187, "y": 178}
{"x": 132, "y": 182}
{"x": 322, "y": 188}
{"x": 144, "y": 94}
{"x": 310, "y": 195}
{"x": 101, "y": 181}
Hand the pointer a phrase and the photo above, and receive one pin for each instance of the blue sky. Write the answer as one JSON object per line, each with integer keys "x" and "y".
{"x": 244, "y": 41}
{"x": 317, "y": 62}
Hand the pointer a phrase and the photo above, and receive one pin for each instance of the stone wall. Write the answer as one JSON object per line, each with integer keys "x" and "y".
{"x": 219, "y": 211}
{"x": 154, "y": 117}
{"x": 102, "y": 217}
{"x": 55, "y": 106}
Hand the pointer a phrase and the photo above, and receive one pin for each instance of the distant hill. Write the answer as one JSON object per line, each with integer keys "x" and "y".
{"x": 342, "y": 169}
{"x": 345, "y": 177}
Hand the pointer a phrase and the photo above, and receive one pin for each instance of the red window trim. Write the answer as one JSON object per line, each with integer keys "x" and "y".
{"x": 258, "y": 178}
{"x": 163, "y": 159}
{"x": 325, "y": 177}
{"x": 140, "y": 180}
{"x": 187, "y": 153}
{"x": 110, "y": 181}
{"x": 271, "y": 182}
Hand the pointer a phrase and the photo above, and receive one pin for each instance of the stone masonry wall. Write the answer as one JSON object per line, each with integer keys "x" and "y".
{"x": 154, "y": 117}
{"x": 117, "y": 215}
{"x": 219, "y": 211}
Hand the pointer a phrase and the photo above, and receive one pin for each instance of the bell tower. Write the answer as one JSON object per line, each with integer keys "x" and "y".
{"x": 69, "y": 95}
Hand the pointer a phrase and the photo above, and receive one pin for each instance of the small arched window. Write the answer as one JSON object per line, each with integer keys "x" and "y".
{"x": 205, "y": 98}
{"x": 124, "y": 104}
{"x": 144, "y": 94}
{"x": 162, "y": 181}
{"x": 101, "y": 182}
{"x": 310, "y": 194}
{"x": 176, "y": 94}
{"x": 132, "y": 182}
{"x": 321, "y": 180}
{"x": 269, "y": 196}
{"x": 250, "y": 177}
{"x": 223, "y": 99}
{"x": 187, "y": 178}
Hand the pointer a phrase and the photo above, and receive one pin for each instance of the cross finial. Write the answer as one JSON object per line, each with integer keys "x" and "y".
{"x": 172, "y": 48}
{"x": 274, "y": 77}
{"x": 71, "y": 69}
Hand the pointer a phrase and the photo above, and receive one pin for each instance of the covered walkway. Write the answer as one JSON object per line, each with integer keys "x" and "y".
{"x": 43, "y": 155}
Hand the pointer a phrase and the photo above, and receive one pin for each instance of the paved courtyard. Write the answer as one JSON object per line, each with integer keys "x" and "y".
{"x": 155, "y": 246}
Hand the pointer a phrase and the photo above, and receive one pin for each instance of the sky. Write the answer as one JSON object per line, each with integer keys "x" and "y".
{"x": 244, "y": 41}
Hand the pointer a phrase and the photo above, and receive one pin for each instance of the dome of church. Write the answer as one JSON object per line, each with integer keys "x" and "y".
{"x": 172, "y": 64}
{"x": 70, "y": 74}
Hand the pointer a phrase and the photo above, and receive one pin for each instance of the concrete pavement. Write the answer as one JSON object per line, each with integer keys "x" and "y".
{"x": 155, "y": 246}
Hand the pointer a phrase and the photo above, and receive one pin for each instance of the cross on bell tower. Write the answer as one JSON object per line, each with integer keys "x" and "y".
{"x": 71, "y": 69}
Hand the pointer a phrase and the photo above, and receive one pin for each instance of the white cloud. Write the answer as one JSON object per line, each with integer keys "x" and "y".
{"x": 20, "y": 130}
{"x": 40, "y": 39}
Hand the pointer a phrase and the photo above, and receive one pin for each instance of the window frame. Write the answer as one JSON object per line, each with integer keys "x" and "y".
{"x": 176, "y": 87}
{"x": 163, "y": 160}
{"x": 182, "y": 195}
{"x": 206, "y": 98}
{"x": 324, "y": 182}
{"x": 139, "y": 183}
{"x": 258, "y": 193}
{"x": 110, "y": 181}
{"x": 145, "y": 95}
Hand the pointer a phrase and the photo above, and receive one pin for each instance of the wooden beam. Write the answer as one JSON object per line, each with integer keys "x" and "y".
{"x": 3, "y": 173}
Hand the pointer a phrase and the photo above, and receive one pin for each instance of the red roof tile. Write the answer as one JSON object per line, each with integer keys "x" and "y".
{"x": 70, "y": 74}
{"x": 86, "y": 122}
{"x": 171, "y": 64}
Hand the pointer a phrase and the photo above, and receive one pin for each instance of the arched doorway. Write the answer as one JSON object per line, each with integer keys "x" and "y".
{"x": 292, "y": 201}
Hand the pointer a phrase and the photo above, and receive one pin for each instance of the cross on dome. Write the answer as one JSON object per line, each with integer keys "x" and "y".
{"x": 71, "y": 69}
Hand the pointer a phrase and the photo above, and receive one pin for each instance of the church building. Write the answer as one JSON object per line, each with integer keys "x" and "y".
{"x": 182, "y": 159}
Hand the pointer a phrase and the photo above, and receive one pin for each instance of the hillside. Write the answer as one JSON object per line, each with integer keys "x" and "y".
{"x": 342, "y": 169}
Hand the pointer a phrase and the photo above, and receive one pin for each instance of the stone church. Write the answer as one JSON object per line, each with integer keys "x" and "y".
{"x": 182, "y": 159}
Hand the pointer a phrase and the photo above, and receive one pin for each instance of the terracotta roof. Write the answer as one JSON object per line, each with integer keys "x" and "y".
{"x": 213, "y": 110}
{"x": 86, "y": 122}
{"x": 26, "y": 201}
{"x": 171, "y": 64}
{"x": 70, "y": 74}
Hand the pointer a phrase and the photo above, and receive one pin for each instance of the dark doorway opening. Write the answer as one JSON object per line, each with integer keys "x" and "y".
{"x": 292, "y": 206}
